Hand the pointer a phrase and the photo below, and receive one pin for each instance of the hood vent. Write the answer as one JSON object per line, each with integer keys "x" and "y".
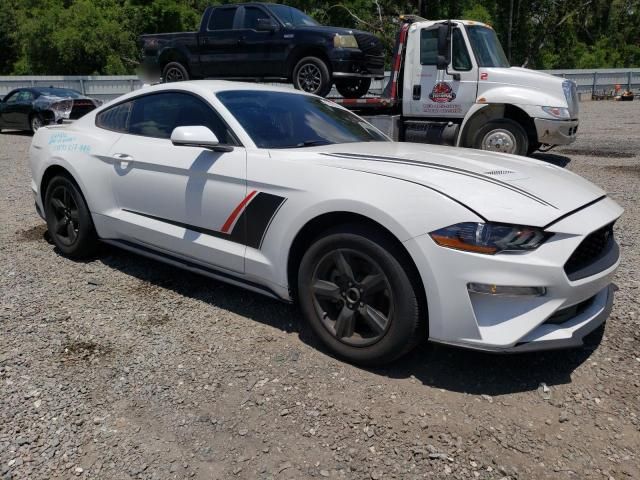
{"x": 499, "y": 172}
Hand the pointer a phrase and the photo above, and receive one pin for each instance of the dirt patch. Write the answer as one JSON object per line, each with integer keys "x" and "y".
{"x": 33, "y": 234}
{"x": 624, "y": 169}
{"x": 80, "y": 350}
{"x": 597, "y": 153}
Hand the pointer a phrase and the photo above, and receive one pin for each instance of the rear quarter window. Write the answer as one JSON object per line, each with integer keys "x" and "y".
{"x": 115, "y": 118}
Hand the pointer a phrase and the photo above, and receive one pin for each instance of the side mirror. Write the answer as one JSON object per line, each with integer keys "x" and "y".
{"x": 266, "y": 25}
{"x": 444, "y": 46}
{"x": 197, "y": 136}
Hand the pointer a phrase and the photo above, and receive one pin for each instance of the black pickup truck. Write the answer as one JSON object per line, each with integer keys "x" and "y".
{"x": 262, "y": 41}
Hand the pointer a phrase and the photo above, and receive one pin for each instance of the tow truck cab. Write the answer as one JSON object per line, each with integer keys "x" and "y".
{"x": 451, "y": 83}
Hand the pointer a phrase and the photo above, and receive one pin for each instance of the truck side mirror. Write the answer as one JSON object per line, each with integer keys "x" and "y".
{"x": 444, "y": 46}
{"x": 266, "y": 25}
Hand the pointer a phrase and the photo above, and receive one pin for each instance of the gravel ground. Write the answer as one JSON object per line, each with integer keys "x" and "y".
{"x": 121, "y": 368}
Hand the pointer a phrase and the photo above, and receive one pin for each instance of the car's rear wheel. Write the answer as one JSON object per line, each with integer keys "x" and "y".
{"x": 353, "y": 87}
{"x": 174, "y": 72}
{"x": 504, "y": 136}
{"x": 68, "y": 219}
{"x": 356, "y": 292}
{"x": 35, "y": 123}
{"x": 311, "y": 75}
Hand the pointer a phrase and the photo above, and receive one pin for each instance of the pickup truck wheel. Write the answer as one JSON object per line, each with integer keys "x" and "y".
{"x": 504, "y": 136}
{"x": 311, "y": 75}
{"x": 174, "y": 72}
{"x": 355, "y": 290}
{"x": 353, "y": 87}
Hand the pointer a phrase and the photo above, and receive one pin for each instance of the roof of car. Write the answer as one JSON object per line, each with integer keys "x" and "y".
{"x": 215, "y": 86}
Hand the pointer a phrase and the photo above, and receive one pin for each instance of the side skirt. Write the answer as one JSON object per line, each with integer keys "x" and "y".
{"x": 195, "y": 268}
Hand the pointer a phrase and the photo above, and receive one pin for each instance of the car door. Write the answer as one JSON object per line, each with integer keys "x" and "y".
{"x": 218, "y": 44}
{"x": 182, "y": 200}
{"x": 15, "y": 109}
{"x": 440, "y": 93}
{"x": 262, "y": 52}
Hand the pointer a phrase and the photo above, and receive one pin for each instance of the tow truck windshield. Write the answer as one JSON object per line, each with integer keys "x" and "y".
{"x": 486, "y": 47}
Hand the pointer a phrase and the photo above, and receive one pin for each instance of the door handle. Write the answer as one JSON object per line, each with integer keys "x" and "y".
{"x": 241, "y": 40}
{"x": 417, "y": 92}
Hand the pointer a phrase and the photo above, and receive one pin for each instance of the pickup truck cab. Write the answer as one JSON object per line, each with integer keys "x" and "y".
{"x": 262, "y": 41}
{"x": 452, "y": 84}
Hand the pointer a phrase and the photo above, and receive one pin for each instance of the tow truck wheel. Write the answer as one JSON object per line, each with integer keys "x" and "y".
{"x": 311, "y": 75}
{"x": 353, "y": 87}
{"x": 504, "y": 136}
{"x": 174, "y": 72}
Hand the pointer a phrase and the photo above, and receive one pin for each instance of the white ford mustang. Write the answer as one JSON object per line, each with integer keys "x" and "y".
{"x": 382, "y": 244}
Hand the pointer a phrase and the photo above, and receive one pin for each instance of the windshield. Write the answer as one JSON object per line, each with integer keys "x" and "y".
{"x": 292, "y": 120}
{"x": 486, "y": 46}
{"x": 292, "y": 17}
{"x": 59, "y": 92}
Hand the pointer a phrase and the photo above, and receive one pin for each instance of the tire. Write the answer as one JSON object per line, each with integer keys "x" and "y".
{"x": 311, "y": 75}
{"x": 71, "y": 229}
{"x": 503, "y": 135}
{"x": 388, "y": 300}
{"x": 533, "y": 147}
{"x": 35, "y": 122}
{"x": 353, "y": 87}
{"x": 174, "y": 72}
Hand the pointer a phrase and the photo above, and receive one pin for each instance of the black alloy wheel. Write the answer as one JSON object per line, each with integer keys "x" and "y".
{"x": 353, "y": 297}
{"x": 311, "y": 75}
{"x": 68, "y": 219}
{"x": 361, "y": 295}
{"x": 174, "y": 72}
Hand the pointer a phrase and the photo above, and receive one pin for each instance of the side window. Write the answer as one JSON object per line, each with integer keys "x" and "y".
{"x": 222, "y": 19}
{"x": 25, "y": 96}
{"x": 251, "y": 17}
{"x": 12, "y": 98}
{"x": 156, "y": 115}
{"x": 115, "y": 118}
{"x": 429, "y": 46}
{"x": 461, "y": 60}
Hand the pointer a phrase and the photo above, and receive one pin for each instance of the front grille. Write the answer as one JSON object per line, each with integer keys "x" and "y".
{"x": 369, "y": 44}
{"x": 80, "y": 108}
{"x": 568, "y": 313}
{"x": 595, "y": 247}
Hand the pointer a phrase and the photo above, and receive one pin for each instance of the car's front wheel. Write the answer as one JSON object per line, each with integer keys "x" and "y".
{"x": 355, "y": 290}
{"x": 311, "y": 75}
{"x": 68, "y": 219}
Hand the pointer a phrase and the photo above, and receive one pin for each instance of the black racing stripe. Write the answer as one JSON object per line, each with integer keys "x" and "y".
{"x": 257, "y": 217}
{"x": 568, "y": 214}
{"x": 250, "y": 228}
{"x": 195, "y": 228}
{"x": 436, "y": 166}
{"x": 421, "y": 185}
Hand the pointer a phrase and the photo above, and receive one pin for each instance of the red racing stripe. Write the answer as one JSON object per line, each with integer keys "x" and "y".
{"x": 232, "y": 218}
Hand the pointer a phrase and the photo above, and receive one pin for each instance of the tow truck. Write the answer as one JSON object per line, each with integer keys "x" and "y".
{"x": 452, "y": 84}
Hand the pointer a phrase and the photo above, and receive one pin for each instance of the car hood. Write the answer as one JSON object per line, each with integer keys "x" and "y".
{"x": 332, "y": 30}
{"x": 498, "y": 187}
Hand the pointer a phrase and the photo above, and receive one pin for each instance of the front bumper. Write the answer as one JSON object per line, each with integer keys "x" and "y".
{"x": 556, "y": 132}
{"x": 517, "y": 323}
{"x": 353, "y": 63}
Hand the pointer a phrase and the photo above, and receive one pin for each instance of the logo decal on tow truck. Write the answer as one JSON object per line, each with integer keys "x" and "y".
{"x": 442, "y": 93}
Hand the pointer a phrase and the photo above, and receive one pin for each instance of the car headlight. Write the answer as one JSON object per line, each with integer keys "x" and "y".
{"x": 558, "y": 112}
{"x": 345, "y": 41}
{"x": 489, "y": 238}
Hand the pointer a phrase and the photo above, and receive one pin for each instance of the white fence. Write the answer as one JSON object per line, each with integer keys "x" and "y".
{"x": 106, "y": 87}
